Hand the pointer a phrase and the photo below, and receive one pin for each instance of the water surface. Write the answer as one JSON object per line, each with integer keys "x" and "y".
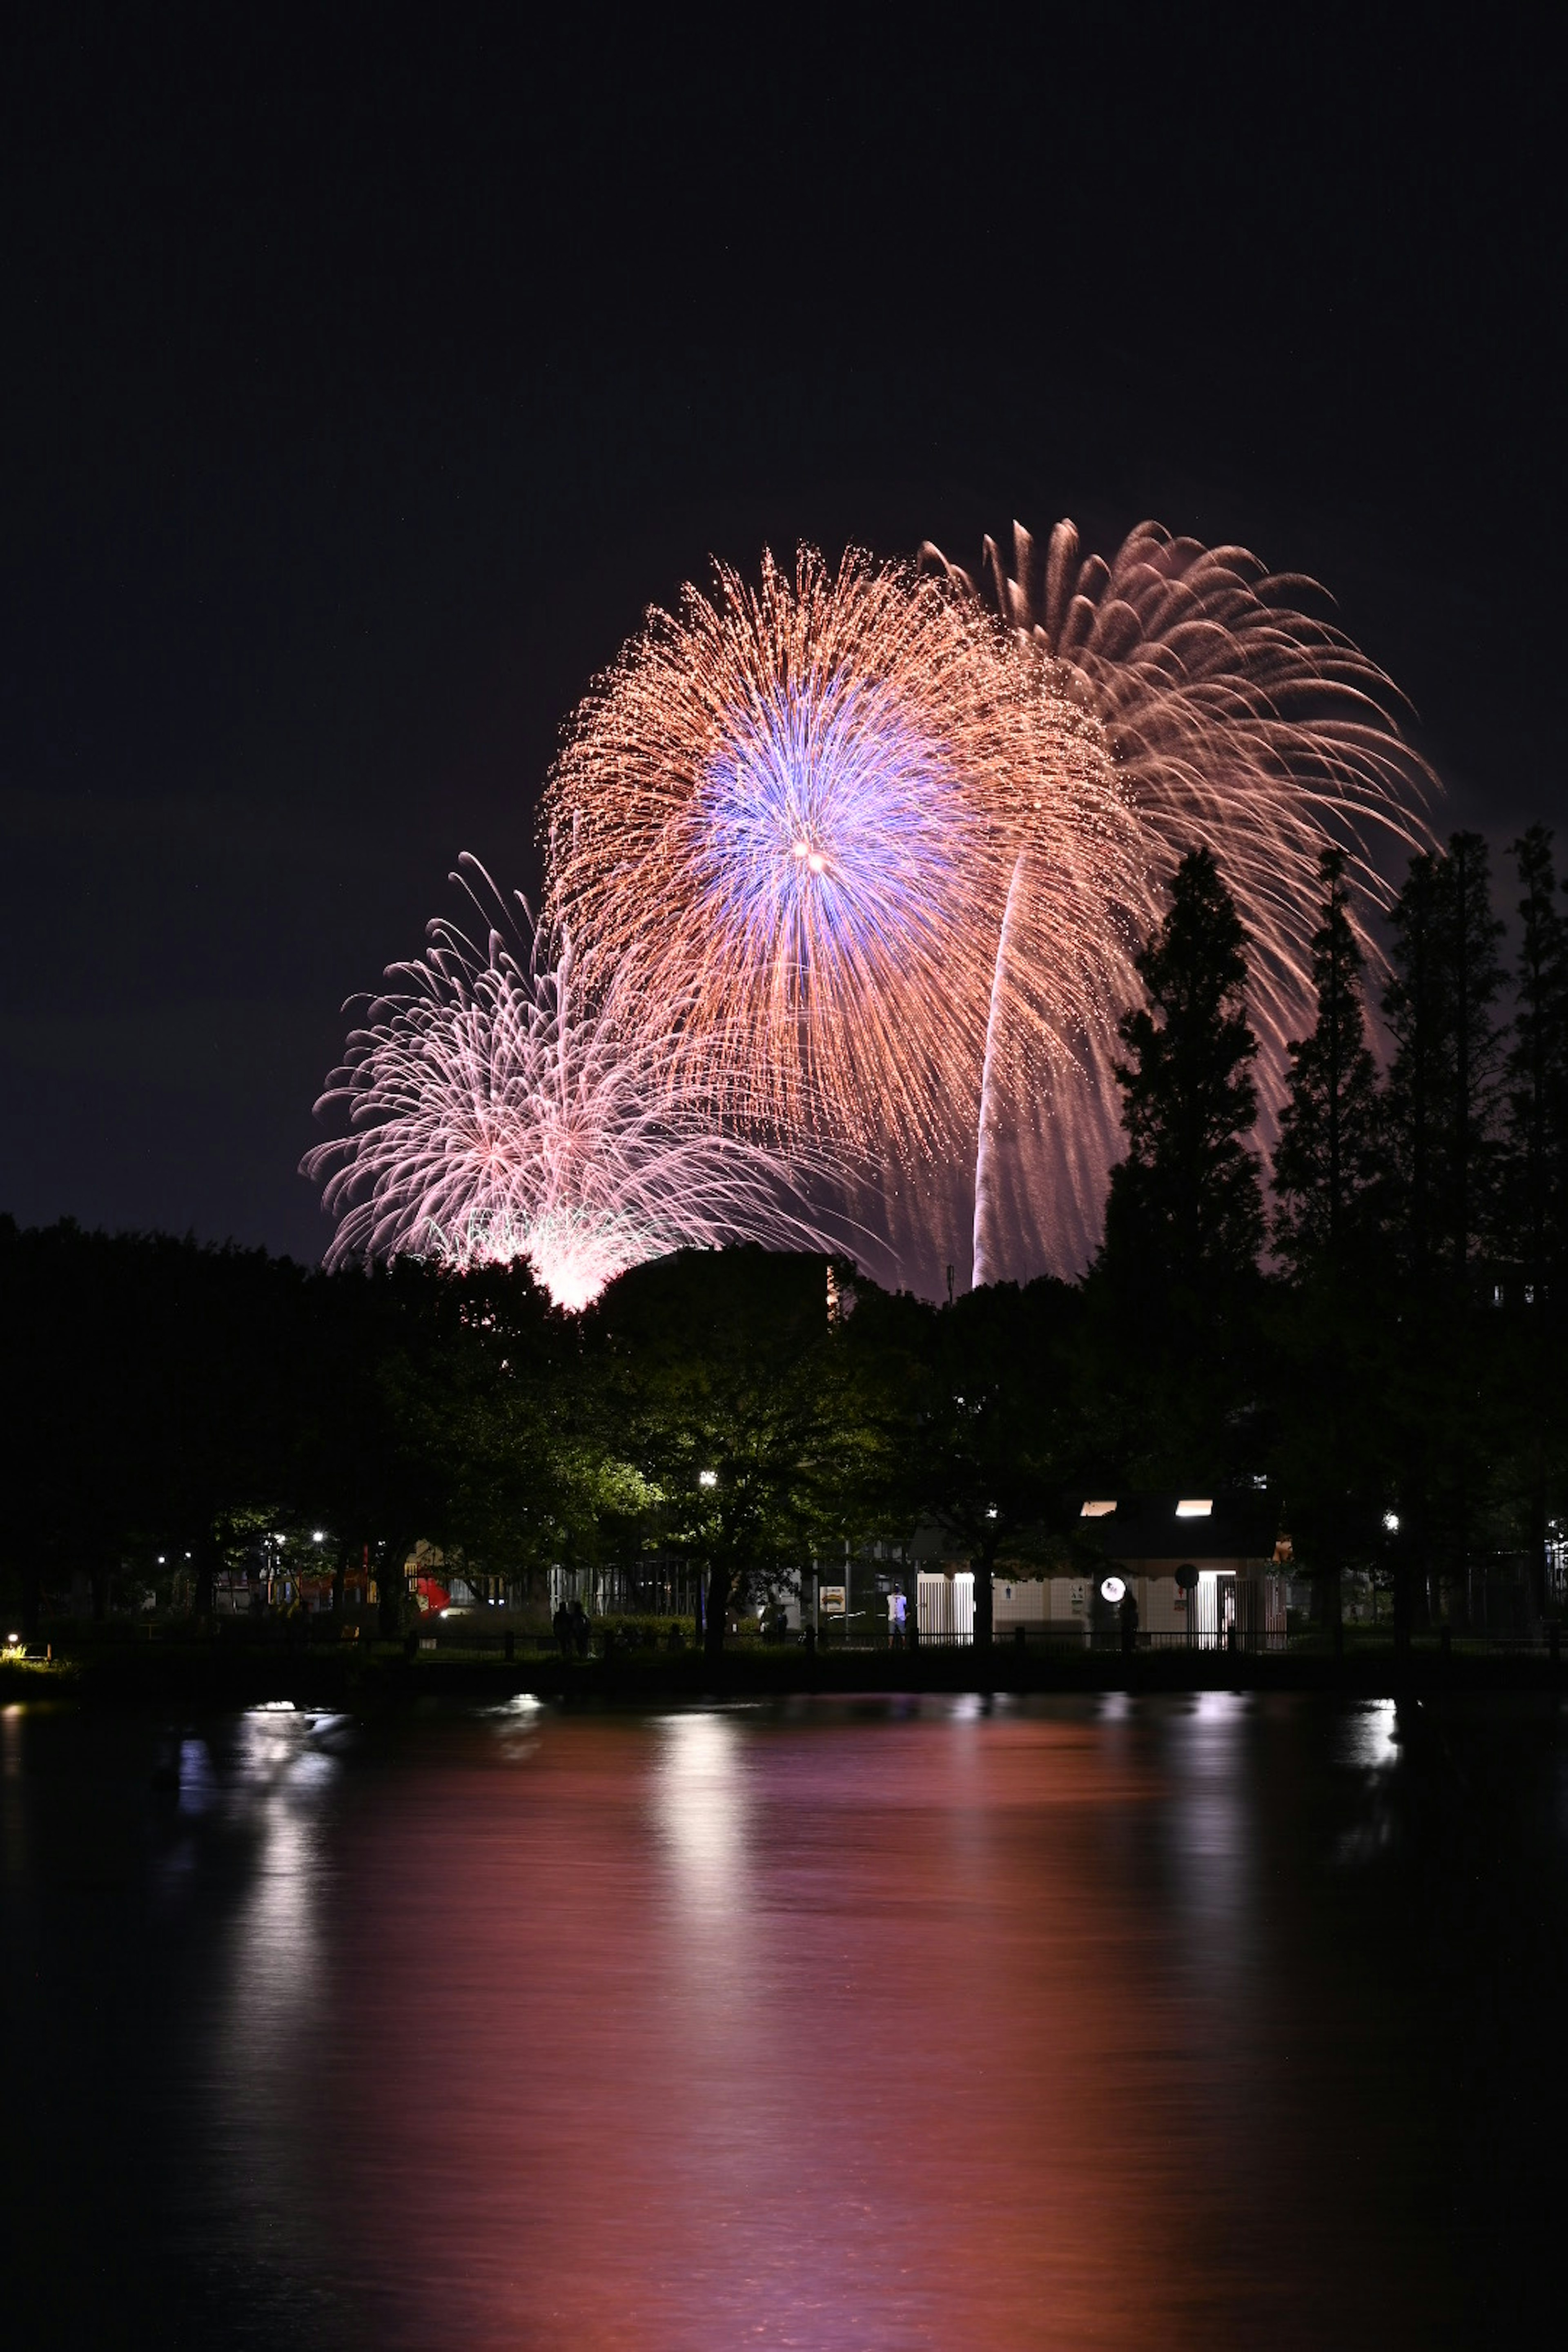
{"x": 1100, "y": 2023}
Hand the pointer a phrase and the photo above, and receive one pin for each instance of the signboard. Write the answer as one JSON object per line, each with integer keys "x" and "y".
{"x": 833, "y": 1600}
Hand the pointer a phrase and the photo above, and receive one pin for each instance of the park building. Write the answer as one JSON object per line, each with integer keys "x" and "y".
{"x": 1203, "y": 1569}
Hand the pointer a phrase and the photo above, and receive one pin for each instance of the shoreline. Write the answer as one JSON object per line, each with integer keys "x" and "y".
{"x": 217, "y": 1673}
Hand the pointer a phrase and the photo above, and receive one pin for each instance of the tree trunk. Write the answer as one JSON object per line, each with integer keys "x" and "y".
{"x": 101, "y": 1571}
{"x": 389, "y": 1617}
{"x": 984, "y": 1598}
{"x": 716, "y": 1614}
{"x": 206, "y": 1574}
{"x": 32, "y": 1600}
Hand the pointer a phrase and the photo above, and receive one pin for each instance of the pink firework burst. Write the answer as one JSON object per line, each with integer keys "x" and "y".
{"x": 1229, "y": 715}
{"x": 497, "y": 1111}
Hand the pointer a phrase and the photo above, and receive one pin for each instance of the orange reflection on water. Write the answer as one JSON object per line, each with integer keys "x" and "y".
{"x": 875, "y": 2027}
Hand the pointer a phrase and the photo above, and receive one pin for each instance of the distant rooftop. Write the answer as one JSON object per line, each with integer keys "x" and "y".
{"x": 1242, "y": 1524}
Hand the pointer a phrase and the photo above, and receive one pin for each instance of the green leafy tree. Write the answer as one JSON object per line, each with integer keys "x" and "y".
{"x": 717, "y": 1371}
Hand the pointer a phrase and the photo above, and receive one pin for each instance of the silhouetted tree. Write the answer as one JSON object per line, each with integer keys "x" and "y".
{"x": 1444, "y": 1087}
{"x": 1327, "y": 1323}
{"x": 1535, "y": 1185}
{"x": 1171, "y": 1343}
{"x": 1002, "y": 1430}
{"x": 1329, "y": 1155}
{"x": 1443, "y": 1103}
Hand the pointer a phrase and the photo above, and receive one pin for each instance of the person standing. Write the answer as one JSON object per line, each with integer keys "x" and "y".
{"x": 561, "y": 1626}
{"x": 1129, "y": 1622}
{"x": 579, "y": 1628}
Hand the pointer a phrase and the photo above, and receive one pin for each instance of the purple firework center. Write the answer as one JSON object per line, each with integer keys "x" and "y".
{"x": 824, "y": 833}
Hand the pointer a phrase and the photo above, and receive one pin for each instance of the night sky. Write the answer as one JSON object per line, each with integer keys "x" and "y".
{"x": 362, "y": 385}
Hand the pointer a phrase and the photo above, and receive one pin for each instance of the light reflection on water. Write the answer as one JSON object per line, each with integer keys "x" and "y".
{"x": 886, "y": 2024}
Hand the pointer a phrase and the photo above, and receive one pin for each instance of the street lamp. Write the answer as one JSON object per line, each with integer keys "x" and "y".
{"x": 707, "y": 1477}
{"x": 1391, "y": 1521}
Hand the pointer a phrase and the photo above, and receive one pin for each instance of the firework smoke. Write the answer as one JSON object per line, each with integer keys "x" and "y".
{"x": 496, "y": 1113}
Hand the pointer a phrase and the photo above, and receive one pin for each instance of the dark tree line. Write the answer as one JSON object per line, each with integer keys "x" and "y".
{"x": 1375, "y": 1326}
{"x": 1372, "y": 1326}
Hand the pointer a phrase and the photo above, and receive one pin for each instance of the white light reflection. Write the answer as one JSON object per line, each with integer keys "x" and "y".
{"x": 199, "y": 1784}
{"x": 515, "y": 1724}
{"x": 284, "y": 1775}
{"x": 1370, "y": 1735}
{"x": 1211, "y": 1830}
{"x": 701, "y": 1805}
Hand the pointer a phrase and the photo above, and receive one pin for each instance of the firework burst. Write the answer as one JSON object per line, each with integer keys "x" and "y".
{"x": 496, "y": 1112}
{"x": 1228, "y": 715}
{"x": 775, "y": 819}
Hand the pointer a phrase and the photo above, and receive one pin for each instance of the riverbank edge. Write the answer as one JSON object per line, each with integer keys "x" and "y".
{"x": 219, "y": 1675}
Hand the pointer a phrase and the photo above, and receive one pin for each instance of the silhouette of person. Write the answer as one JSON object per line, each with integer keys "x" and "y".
{"x": 1128, "y": 1620}
{"x": 579, "y": 1628}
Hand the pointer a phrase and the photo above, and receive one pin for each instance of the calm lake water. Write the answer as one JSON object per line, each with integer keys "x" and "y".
{"x": 1103, "y": 2023}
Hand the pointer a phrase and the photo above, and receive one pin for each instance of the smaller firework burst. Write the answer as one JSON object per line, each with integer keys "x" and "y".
{"x": 496, "y": 1111}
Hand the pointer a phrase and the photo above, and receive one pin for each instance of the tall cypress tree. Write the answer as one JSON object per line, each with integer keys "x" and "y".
{"x": 1537, "y": 1202}
{"x": 1444, "y": 1101}
{"x": 1535, "y": 1189}
{"x": 1185, "y": 1203}
{"x": 1327, "y": 1165}
{"x": 1445, "y": 1083}
{"x": 1175, "y": 1282}
{"x": 1328, "y": 1154}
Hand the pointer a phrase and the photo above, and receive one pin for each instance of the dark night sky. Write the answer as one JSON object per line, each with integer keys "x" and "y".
{"x": 362, "y": 386}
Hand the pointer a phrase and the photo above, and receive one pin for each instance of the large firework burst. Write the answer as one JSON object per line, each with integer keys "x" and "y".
{"x": 496, "y": 1112}
{"x": 1231, "y": 716}
{"x": 792, "y": 812}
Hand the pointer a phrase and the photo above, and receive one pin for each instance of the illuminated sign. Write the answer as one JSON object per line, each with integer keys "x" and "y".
{"x": 833, "y": 1600}
{"x": 1113, "y": 1589}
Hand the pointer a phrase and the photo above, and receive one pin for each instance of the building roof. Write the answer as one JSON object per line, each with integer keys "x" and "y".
{"x": 1241, "y": 1525}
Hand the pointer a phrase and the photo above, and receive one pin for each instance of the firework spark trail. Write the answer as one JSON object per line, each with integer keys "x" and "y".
{"x": 1231, "y": 718}
{"x": 786, "y": 809}
{"x": 985, "y": 1136}
{"x": 496, "y": 1112}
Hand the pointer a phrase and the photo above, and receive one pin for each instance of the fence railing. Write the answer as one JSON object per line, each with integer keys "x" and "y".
{"x": 483, "y": 1637}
